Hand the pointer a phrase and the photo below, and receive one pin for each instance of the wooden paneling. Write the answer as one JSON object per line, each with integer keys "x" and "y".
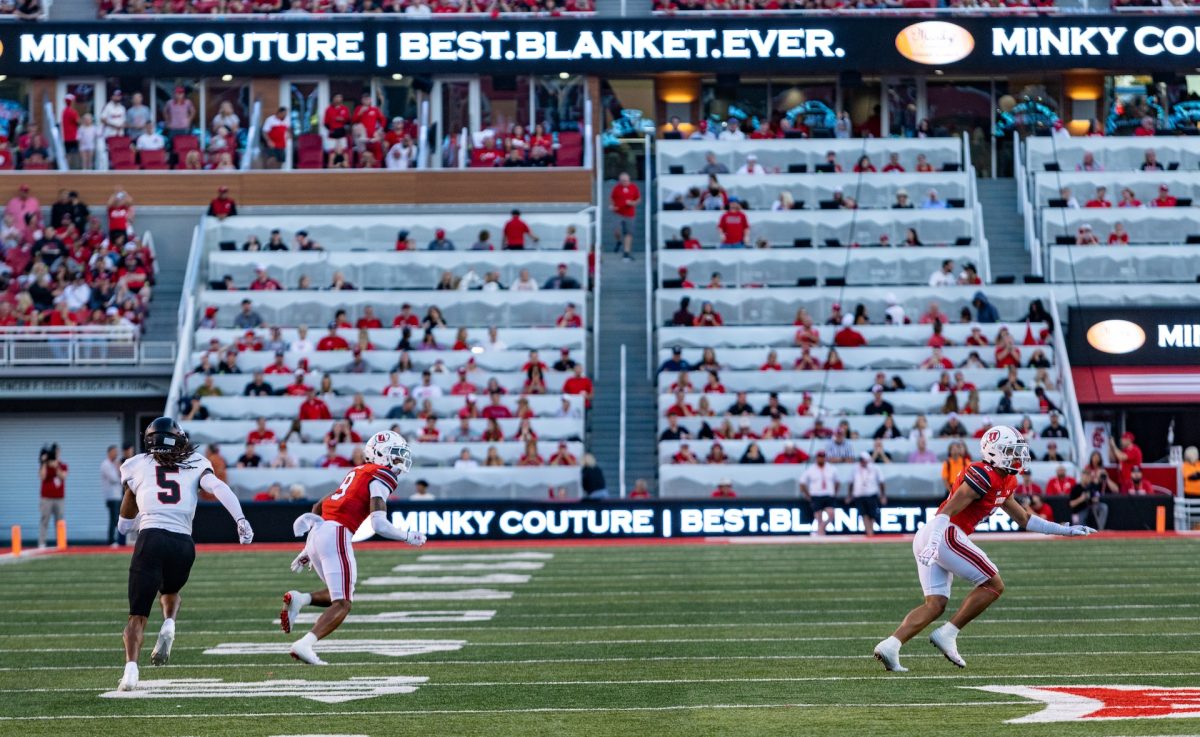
{"x": 314, "y": 188}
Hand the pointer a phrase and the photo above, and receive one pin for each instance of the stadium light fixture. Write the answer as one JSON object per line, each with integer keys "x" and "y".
{"x": 564, "y": 75}
{"x": 397, "y": 77}
{"x": 226, "y": 77}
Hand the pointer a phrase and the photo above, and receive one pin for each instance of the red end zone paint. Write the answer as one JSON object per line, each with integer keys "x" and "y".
{"x": 1088, "y": 703}
{"x": 434, "y": 544}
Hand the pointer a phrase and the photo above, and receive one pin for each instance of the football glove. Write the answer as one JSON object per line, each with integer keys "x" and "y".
{"x": 1078, "y": 531}
{"x": 245, "y": 532}
{"x": 302, "y": 562}
{"x": 927, "y": 556}
{"x": 415, "y": 538}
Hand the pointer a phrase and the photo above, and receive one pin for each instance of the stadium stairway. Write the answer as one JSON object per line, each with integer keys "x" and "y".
{"x": 623, "y": 321}
{"x": 172, "y": 233}
{"x": 72, "y": 10}
{"x": 1004, "y": 227}
{"x": 634, "y": 8}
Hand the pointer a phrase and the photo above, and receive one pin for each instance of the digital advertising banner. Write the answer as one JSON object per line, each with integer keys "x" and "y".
{"x": 1134, "y": 336}
{"x": 510, "y": 520}
{"x": 792, "y": 44}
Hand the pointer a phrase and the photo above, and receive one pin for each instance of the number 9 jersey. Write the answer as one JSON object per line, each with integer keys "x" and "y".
{"x": 166, "y": 497}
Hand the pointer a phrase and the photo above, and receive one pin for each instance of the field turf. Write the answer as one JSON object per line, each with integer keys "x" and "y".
{"x": 620, "y": 640}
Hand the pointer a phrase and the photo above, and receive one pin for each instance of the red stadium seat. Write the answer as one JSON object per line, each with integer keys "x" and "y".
{"x": 153, "y": 159}
{"x": 570, "y": 149}
{"x": 36, "y": 165}
{"x": 310, "y": 159}
{"x": 118, "y": 142}
{"x": 309, "y": 142}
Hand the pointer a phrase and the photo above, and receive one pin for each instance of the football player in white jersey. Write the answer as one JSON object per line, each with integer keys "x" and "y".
{"x": 162, "y": 487}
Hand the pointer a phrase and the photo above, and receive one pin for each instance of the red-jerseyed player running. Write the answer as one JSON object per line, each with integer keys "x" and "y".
{"x": 362, "y": 494}
{"x": 944, "y": 551}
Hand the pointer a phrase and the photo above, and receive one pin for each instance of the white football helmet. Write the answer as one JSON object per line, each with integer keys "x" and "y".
{"x": 1004, "y": 448}
{"x": 389, "y": 449}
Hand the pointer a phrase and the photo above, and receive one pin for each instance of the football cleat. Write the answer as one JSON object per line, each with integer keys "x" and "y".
{"x": 947, "y": 644}
{"x": 304, "y": 652}
{"x": 889, "y": 655}
{"x": 162, "y": 649}
{"x": 129, "y": 681}
{"x": 291, "y": 607}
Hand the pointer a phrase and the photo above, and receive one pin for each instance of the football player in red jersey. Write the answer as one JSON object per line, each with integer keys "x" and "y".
{"x": 363, "y": 494}
{"x": 943, "y": 550}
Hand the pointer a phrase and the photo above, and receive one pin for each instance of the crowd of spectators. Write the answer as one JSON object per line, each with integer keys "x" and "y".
{"x": 411, "y": 8}
{"x": 76, "y": 268}
{"x": 671, "y": 6}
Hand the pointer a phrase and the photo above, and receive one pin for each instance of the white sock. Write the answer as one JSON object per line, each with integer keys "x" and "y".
{"x": 950, "y": 629}
{"x": 303, "y": 599}
{"x": 893, "y": 642}
{"x": 131, "y": 665}
{"x": 169, "y": 624}
{"x": 310, "y": 639}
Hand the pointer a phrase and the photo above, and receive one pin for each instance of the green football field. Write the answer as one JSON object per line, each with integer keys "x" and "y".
{"x": 609, "y": 640}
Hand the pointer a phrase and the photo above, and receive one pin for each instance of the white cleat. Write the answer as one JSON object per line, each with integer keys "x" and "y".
{"x": 304, "y": 652}
{"x": 162, "y": 649}
{"x": 291, "y": 607}
{"x": 888, "y": 653}
{"x": 947, "y": 644}
{"x": 129, "y": 681}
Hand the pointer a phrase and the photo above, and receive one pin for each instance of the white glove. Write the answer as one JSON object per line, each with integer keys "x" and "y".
{"x": 302, "y": 562}
{"x": 1078, "y": 531}
{"x": 414, "y": 538}
{"x": 927, "y": 556}
{"x": 245, "y": 532}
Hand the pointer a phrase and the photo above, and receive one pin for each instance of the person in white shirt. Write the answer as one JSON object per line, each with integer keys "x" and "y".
{"x": 426, "y": 389}
{"x": 465, "y": 460}
{"x": 401, "y": 155}
{"x": 933, "y": 201}
{"x": 894, "y": 314}
{"x": 422, "y": 492}
{"x": 819, "y": 486}
{"x": 493, "y": 342}
{"x": 751, "y": 166}
{"x": 944, "y": 277}
{"x": 110, "y": 485}
{"x": 150, "y": 140}
{"x": 77, "y": 293}
{"x": 302, "y": 344}
{"x": 867, "y": 492}
{"x": 524, "y": 283}
{"x": 112, "y": 116}
{"x": 733, "y": 131}
{"x": 418, "y": 9}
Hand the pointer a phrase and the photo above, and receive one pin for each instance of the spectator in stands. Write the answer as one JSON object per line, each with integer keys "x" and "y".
{"x": 1150, "y": 161}
{"x": 1086, "y": 499}
{"x": 712, "y": 166}
{"x": 879, "y": 406}
{"x": 1088, "y": 163}
{"x": 1085, "y": 236}
{"x": 1190, "y": 471}
{"x": 716, "y": 455}
{"x": 752, "y": 455}
{"x": 440, "y": 242}
{"x": 223, "y": 206}
{"x": 314, "y": 408}
{"x": 580, "y": 385}
{"x": 624, "y": 199}
{"x": 276, "y": 133}
{"x": 561, "y": 280}
{"x": 734, "y": 227}
{"x": 150, "y": 139}
{"x": 676, "y": 362}
{"x": 708, "y": 316}
{"x": 1147, "y": 127}
{"x": 922, "y": 454}
{"x": 864, "y": 165}
{"x": 724, "y": 488}
{"x": 848, "y": 337}
{"x": 733, "y": 131}
{"x": 516, "y": 231}
{"x": 1055, "y": 429}
{"x": 1100, "y": 199}
{"x": 247, "y": 319}
{"x": 569, "y": 318}
{"x": 1165, "y": 198}
{"x": 284, "y": 458}
{"x": 673, "y": 430}
{"x": 1026, "y": 487}
{"x": 791, "y": 454}
{"x": 524, "y": 282}
{"x": 262, "y": 282}
{"x": 752, "y": 166}
{"x": 984, "y": 310}
{"x": 838, "y": 449}
{"x": 1127, "y": 454}
{"x": 932, "y": 201}
{"x": 564, "y": 362}
{"x": 956, "y": 462}
{"x": 433, "y": 319}
{"x": 1138, "y": 486}
{"x": 944, "y": 276}
{"x": 112, "y": 115}
{"x": 258, "y": 387}
{"x": 179, "y": 114}
{"x": 953, "y": 428}
{"x": 249, "y": 458}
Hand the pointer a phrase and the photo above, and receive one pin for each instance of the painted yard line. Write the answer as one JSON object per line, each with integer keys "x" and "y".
{"x": 682, "y": 681}
{"x": 531, "y": 710}
{"x": 425, "y": 664}
{"x": 397, "y": 598}
{"x": 500, "y": 565}
{"x": 530, "y": 555}
{"x": 473, "y": 615}
{"x": 386, "y": 648}
{"x": 490, "y": 578}
{"x": 521, "y": 602}
{"x": 648, "y": 625}
{"x": 272, "y": 647}
{"x": 668, "y": 625}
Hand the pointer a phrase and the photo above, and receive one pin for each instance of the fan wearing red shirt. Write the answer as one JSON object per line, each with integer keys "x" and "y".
{"x": 70, "y": 124}
{"x": 1165, "y": 198}
{"x": 684, "y": 282}
{"x": 771, "y": 363}
{"x": 681, "y": 408}
{"x": 848, "y": 337}
{"x": 120, "y": 213}
{"x": 406, "y": 318}
{"x": 1128, "y": 454}
{"x": 314, "y": 408}
{"x": 222, "y": 206}
{"x": 734, "y": 227}
{"x": 685, "y": 455}
{"x": 337, "y": 118}
{"x": 359, "y": 410}
{"x": 569, "y": 318}
{"x": 262, "y": 282}
{"x": 368, "y": 319}
{"x": 624, "y": 200}
{"x": 463, "y": 387}
{"x": 791, "y": 454}
{"x": 429, "y": 433}
{"x": 1100, "y": 200}
{"x": 515, "y": 231}
{"x": 278, "y": 367}
{"x": 893, "y": 164}
{"x": 261, "y": 433}
{"x": 369, "y": 116}
{"x": 563, "y": 456}
{"x": 579, "y": 384}
{"x": 333, "y": 341}
{"x": 1061, "y": 484}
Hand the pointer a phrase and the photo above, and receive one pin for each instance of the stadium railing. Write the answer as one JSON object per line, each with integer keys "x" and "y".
{"x": 780, "y": 154}
{"x": 82, "y": 346}
{"x": 448, "y": 483}
{"x": 870, "y": 191}
{"x": 778, "y": 267}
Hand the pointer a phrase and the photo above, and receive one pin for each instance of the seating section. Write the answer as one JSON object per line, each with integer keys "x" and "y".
{"x": 470, "y": 354}
{"x": 668, "y": 7}
{"x": 1136, "y": 192}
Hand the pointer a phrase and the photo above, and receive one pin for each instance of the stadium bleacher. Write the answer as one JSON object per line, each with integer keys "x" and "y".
{"x": 489, "y": 386}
